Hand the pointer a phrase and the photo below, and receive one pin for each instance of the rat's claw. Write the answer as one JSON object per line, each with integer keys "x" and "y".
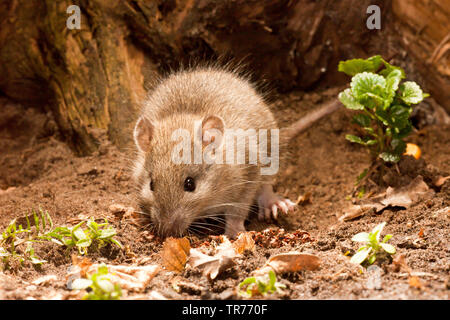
{"x": 269, "y": 203}
{"x": 275, "y": 211}
{"x": 283, "y": 206}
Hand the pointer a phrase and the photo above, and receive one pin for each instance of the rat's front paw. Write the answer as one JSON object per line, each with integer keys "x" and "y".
{"x": 270, "y": 203}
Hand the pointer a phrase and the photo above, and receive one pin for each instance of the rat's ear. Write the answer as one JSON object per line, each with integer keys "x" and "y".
{"x": 212, "y": 130}
{"x": 143, "y": 133}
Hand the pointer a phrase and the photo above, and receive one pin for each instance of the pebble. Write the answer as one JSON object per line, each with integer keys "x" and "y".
{"x": 374, "y": 278}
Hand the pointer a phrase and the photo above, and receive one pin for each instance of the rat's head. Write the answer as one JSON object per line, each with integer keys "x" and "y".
{"x": 176, "y": 195}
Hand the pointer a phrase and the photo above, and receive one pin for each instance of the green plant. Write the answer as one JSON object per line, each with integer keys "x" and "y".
{"x": 15, "y": 235}
{"x": 260, "y": 285}
{"x": 81, "y": 238}
{"x": 100, "y": 284}
{"x": 372, "y": 245}
{"x": 384, "y": 103}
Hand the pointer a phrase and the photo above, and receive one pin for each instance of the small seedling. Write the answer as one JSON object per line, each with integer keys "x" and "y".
{"x": 81, "y": 238}
{"x": 15, "y": 235}
{"x": 100, "y": 285}
{"x": 372, "y": 245}
{"x": 262, "y": 285}
{"x": 384, "y": 104}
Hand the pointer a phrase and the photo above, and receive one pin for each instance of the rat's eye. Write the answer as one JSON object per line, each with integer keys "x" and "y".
{"x": 189, "y": 184}
{"x": 151, "y": 185}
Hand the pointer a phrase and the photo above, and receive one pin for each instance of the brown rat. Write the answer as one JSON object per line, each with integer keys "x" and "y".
{"x": 206, "y": 102}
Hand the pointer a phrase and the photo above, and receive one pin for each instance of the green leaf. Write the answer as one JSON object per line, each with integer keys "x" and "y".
{"x": 390, "y": 157}
{"x": 368, "y": 84}
{"x": 399, "y": 146}
{"x": 107, "y": 233}
{"x": 79, "y": 234}
{"x": 411, "y": 93}
{"x": 399, "y": 115}
{"x": 349, "y": 101}
{"x": 372, "y": 258}
{"x": 389, "y": 68}
{"x": 355, "y": 66}
{"x": 361, "y": 237}
{"x": 377, "y": 230}
{"x": 80, "y": 284}
{"x": 404, "y": 132}
{"x": 362, "y": 119}
{"x": 360, "y": 256}
{"x": 388, "y": 248}
{"x": 392, "y": 84}
{"x": 354, "y": 139}
{"x": 387, "y": 237}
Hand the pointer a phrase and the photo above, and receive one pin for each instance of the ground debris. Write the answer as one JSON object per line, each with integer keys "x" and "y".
{"x": 394, "y": 197}
{"x": 175, "y": 253}
{"x": 211, "y": 266}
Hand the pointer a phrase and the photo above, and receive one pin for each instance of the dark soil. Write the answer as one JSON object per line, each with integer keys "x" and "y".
{"x": 38, "y": 170}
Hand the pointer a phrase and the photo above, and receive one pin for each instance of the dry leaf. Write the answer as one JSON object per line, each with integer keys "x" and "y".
{"x": 244, "y": 242}
{"x": 395, "y": 197}
{"x": 293, "y": 262}
{"x": 131, "y": 278}
{"x": 304, "y": 199}
{"x": 175, "y": 253}
{"x": 414, "y": 282}
{"x": 421, "y": 233}
{"x": 440, "y": 181}
{"x": 45, "y": 280}
{"x": 213, "y": 265}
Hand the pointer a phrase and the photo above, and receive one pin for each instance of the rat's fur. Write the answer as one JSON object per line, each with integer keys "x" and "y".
{"x": 177, "y": 102}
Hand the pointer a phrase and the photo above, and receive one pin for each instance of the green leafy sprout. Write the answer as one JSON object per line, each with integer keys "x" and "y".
{"x": 39, "y": 228}
{"x": 83, "y": 238}
{"x": 384, "y": 102}
{"x": 372, "y": 245}
{"x": 100, "y": 286}
{"x": 16, "y": 236}
{"x": 261, "y": 285}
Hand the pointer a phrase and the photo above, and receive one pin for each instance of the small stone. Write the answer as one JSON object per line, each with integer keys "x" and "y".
{"x": 374, "y": 278}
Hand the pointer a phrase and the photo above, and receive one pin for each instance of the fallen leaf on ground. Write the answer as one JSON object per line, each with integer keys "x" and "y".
{"x": 290, "y": 262}
{"x": 394, "y": 197}
{"x": 124, "y": 212}
{"x": 414, "y": 282}
{"x": 211, "y": 266}
{"x": 175, "y": 253}
{"x": 440, "y": 181}
{"x": 244, "y": 242}
{"x": 133, "y": 278}
{"x": 45, "y": 280}
{"x": 304, "y": 199}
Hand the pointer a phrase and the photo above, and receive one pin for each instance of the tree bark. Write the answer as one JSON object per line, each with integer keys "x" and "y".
{"x": 96, "y": 77}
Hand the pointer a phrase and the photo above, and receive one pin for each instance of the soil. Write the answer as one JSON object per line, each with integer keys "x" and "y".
{"x": 38, "y": 170}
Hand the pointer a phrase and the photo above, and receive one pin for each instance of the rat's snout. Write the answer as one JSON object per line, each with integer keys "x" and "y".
{"x": 175, "y": 224}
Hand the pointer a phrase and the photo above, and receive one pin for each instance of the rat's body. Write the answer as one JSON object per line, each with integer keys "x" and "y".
{"x": 175, "y": 195}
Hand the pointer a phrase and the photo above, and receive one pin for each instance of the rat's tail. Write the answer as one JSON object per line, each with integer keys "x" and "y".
{"x": 304, "y": 123}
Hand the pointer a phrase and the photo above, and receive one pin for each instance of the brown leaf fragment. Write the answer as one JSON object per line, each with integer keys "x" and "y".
{"x": 440, "y": 181}
{"x": 175, "y": 253}
{"x": 293, "y": 262}
{"x": 244, "y": 242}
{"x": 211, "y": 266}
{"x": 414, "y": 282}
{"x": 304, "y": 199}
{"x": 45, "y": 280}
{"x": 133, "y": 278}
{"x": 394, "y": 197}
